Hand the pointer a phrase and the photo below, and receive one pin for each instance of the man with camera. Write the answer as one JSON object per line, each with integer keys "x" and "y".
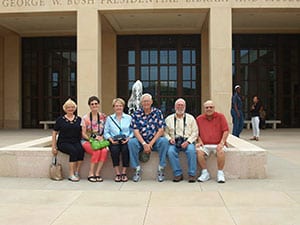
{"x": 213, "y": 133}
{"x": 182, "y": 132}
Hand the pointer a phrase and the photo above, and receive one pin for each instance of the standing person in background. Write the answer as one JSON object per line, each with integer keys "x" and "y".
{"x": 68, "y": 129}
{"x": 254, "y": 111}
{"x": 93, "y": 125}
{"x": 117, "y": 130}
{"x": 237, "y": 112}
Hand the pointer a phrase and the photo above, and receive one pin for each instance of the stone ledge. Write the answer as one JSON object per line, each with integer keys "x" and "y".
{"x": 243, "y": 160}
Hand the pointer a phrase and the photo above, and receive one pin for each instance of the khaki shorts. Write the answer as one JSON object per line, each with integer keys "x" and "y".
{"x": 208, "y": 149}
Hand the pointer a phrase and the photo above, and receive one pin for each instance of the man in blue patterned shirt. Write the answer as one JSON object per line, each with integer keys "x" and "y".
{"x": 148, "y": 126}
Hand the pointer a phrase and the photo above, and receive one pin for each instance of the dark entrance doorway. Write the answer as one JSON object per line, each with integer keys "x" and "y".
{"x": 268, "y": 65}
{"x": 48, "y": 77}
{"x": 167, "y": 65}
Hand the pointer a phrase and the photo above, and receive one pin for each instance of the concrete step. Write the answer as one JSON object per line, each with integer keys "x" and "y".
{"x": 32, "y": 159}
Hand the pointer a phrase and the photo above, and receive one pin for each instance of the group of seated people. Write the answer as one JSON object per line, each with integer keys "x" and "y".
{"x": 144, "y": 131}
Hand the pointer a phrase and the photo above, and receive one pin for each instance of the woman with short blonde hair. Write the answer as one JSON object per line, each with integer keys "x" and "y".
{"x": 68, "y": 130}
{"x": 117, "y": 130}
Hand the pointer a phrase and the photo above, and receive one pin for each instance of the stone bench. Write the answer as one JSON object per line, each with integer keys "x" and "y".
{"x": 31, "y": 159}
{"x": 46, "y": 123}
{"x": 273, "y": 122}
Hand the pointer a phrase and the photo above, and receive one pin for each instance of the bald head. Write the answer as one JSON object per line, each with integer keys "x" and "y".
{"x": 209, "y": 108}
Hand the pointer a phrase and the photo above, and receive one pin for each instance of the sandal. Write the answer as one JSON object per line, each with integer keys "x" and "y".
{"x": 124, "y": 177}
{"x": 118, "y": 178}
{"x": 73, "y": 178}
{"x": 98, "y": 178}
{"x": 92, "y": 179}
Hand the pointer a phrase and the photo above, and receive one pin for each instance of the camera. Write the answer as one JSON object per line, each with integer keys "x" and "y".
{"x": 179, "y": 140}
{"x": 119, "y": 138}
{"x": 93, "y": 135}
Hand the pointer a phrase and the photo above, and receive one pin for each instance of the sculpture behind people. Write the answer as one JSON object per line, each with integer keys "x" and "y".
{"x": 134, "y": 101}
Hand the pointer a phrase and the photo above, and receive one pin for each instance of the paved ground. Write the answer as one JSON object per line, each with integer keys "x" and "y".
{"x": 271, "y": 201}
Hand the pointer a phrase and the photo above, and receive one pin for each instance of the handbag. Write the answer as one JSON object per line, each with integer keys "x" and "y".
{"x": 97, "y": 145}
{"x": 55, "y": 170}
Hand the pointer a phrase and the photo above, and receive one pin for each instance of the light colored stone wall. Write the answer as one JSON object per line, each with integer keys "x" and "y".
{"x": 96, "y": 75}
{"x": 1, "y": 82}
{"x": 220, "y": 65}
{"x": 12, "y": 82}
{"x": 73, "y": 5}
{"x": 88, "y": 57}
{"x": 109, "y": 66}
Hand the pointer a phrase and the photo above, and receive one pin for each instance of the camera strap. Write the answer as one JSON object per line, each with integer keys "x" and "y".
{"x": 184, "y": 121}
{"x": 98, "y": 123}
{"x": 115, "y": 123}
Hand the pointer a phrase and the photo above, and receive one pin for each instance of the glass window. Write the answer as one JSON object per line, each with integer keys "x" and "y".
{"x": 144, "y": 57}
{"x": 49, "y": 72}
{"x": 244, "y": 56}
{"x": 164, "y": 72}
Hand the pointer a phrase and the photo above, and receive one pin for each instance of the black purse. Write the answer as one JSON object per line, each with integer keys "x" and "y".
{"x": 119, "y": 137}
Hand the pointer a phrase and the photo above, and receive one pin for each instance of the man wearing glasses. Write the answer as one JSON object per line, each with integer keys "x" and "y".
{"x": 148, "y": 127}
{"x": 213, "y": 133}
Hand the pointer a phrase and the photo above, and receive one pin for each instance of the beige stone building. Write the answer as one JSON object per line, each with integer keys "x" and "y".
{"x": 197, "y": 49}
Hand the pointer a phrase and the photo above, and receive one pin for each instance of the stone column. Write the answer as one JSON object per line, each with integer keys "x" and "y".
{"x": 12, "y": 82}
{"x": 88, "y": 57}
{"x": 205, "y": 87}
{"x": 220, "y": 62}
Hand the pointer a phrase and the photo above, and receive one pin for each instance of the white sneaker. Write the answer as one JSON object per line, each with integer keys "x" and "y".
{"x": 220, "y": 177}
{"x": 160, "y": 175}
{"x": 137, "y": 175}
{"x": 204, "y": 176}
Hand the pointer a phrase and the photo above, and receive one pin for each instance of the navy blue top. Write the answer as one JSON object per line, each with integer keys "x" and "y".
{"x": 236, "y": 99}
{"x": 68, "y": 131}
{"x": 148, "y": 125}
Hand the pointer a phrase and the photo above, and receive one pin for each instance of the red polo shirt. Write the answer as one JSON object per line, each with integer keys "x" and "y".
{"x": 211, "y": 131}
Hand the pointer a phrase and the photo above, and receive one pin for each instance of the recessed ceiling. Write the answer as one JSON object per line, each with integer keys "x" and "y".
{"x": 41, "y": 24}
{"x": 266, "y": 21}
{"x": 158, "y": 22}
{"x": 152, "y": 22}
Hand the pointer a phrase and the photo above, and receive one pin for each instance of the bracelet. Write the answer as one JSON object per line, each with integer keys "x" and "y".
{"x": 144, "y": 143}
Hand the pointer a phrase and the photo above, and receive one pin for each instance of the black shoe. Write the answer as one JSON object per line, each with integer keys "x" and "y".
{"x": 178, "y": 178}
{"x": 192, "y": 179}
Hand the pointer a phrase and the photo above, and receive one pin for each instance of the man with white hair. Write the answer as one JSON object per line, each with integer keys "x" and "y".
{"x": 182, "y": 132}
{"x": 148, "y": 127}
{"x": 213, "y": 133}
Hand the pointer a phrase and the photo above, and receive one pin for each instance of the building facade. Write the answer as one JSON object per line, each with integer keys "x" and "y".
{"x": 51, "y": 50}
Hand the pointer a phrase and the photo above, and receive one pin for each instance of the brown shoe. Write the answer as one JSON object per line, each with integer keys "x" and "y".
{"x": 253, "y": 139}
{"x": 256, "y": 138}
{"x": 178, "y": 178}
{"x": 192, "y": 179}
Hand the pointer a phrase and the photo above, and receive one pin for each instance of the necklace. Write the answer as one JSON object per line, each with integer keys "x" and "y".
{"x": 70, "y": 120}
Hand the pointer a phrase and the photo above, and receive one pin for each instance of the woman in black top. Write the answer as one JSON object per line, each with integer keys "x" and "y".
{"x": 254, "y": 111}
{"x": 69, "y": 134}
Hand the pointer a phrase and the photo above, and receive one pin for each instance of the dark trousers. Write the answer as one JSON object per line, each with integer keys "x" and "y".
{"x": 74, "y": 150}
{"x": 119, "y": 150}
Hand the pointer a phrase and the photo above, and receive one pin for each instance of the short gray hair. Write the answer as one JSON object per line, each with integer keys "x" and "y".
{"x": 146, "y": 95}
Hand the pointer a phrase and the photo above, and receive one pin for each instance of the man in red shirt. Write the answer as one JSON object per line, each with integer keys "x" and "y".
{"x": 213, "y": 133}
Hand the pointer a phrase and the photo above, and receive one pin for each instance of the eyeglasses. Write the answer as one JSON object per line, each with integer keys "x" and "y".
{"x": 209, "y": 107}
{"x": 96, "y": 103}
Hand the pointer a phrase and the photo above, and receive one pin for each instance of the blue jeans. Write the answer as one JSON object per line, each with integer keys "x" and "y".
{"x": 238, "y": 123}
{"x": 190, "y": 153}
{"x": 161, "y": 146}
